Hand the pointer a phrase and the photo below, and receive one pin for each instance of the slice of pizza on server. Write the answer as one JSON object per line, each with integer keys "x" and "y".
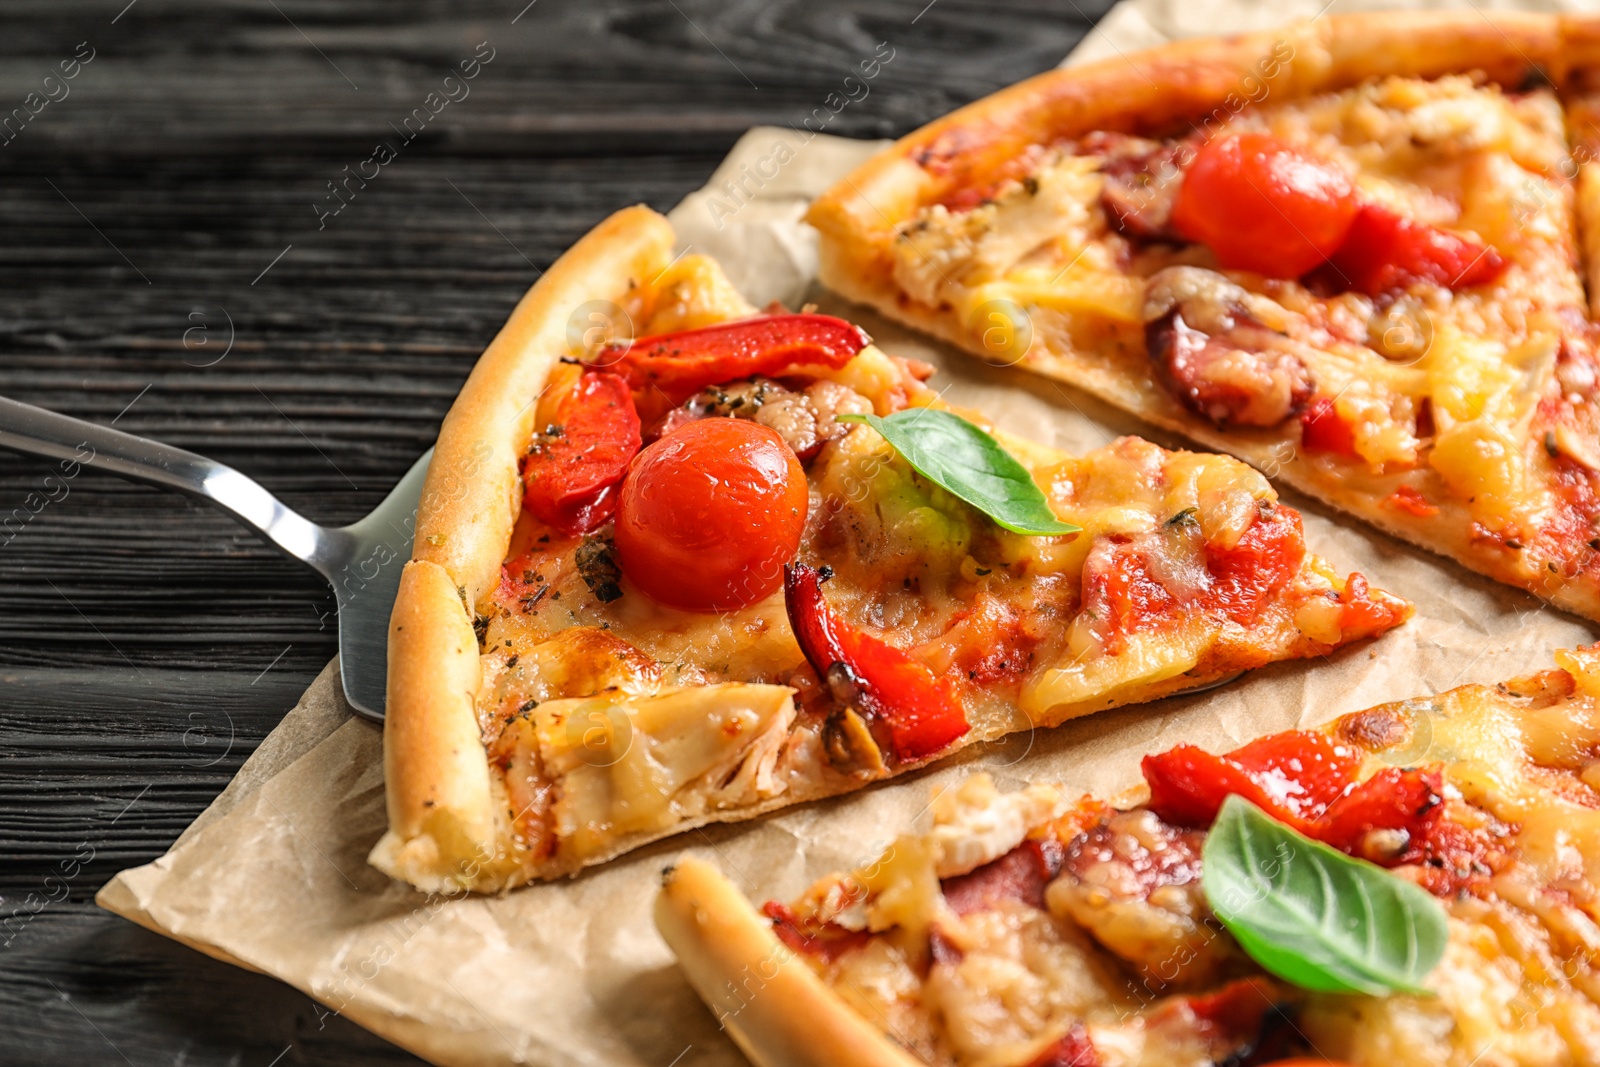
{"x": 733, "y": 560}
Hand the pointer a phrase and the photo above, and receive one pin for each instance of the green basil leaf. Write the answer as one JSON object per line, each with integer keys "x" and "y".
{"x": 960, "y": 458}
{"x": 1312, "y": 915}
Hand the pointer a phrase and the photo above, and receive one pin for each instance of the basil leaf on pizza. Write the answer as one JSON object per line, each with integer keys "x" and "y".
{"x": 1312, "y": 915}
{"x": 968, "y": 463}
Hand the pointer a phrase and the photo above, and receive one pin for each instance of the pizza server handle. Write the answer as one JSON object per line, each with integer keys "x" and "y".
{"x": 74, "y": 442}
{"x": 362, "y": 561}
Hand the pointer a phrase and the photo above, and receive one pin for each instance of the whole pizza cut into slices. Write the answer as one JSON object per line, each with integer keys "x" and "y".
{"x": 1415, "y": 885}
{"x": 1348, "y": 251}
{"x": 681, "y": 561}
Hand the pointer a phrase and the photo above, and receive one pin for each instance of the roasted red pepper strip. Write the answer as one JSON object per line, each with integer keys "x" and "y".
{"x": 892, "y": 690}
{"x": 1386, "y": 251}
{"x": 1307, "y": 782}
{"x": 1126, "y": 596}
{"x": 1291, "y": 776}
{"x": 572, "y": 473}
{"x": 679, "y": 365}
{"x": 1393, "y": 799}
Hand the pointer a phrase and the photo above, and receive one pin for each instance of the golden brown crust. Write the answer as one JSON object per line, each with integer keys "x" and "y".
{"x": 472, "y": 495}
{"x": 1509, "y": 47}
{"x": 441, "y": 811}
{"x": 440, "y": 808}
{"x": 1583, "y": 132}
{"x": 1587, "y": 208}
{"x": 1581, "y": 79}
{"x": 1151, "y": 92}
{"x": 775, "y": 1007}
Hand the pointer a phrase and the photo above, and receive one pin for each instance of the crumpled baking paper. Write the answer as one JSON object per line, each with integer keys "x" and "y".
{"x": 273, "y": 876}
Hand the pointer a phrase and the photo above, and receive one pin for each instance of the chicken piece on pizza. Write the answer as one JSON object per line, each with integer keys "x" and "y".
{"x": 728, "y": 561}
{"x": 1416, "y": 885}
{"x": 1347, "y": 252}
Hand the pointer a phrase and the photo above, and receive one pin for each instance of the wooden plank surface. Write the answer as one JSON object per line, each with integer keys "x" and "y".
{"x": 162, "y": 266}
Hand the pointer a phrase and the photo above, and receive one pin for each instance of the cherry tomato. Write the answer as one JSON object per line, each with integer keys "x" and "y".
{"x": 1384, "y": 251}
{"x": 1264, "y": 205}
{"x": 710, "y": 513}
{"x": 571, "y": 473}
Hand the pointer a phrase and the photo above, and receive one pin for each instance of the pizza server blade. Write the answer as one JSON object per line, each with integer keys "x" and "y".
{"x": 362, "y": 561}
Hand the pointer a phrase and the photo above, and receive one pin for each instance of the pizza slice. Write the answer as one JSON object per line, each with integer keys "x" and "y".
{"x": 1346, "y": 252}
{"x": 1415, "y": 885}
{"x": 725, "y": 561}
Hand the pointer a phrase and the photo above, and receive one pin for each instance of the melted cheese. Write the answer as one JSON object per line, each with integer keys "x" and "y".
{"x": 1484, "y": 397}
{"x": 1076, "y": 289}
{"x": 974, "y": 823}
{"x": 1077, "y": 686}
{"x": 1584, "y": 666}
{"x": 945, "y": 250}
{"x": 638, "y": 764}
{"x": 1017, "y": 980}
{"x": 1517, "y": 985}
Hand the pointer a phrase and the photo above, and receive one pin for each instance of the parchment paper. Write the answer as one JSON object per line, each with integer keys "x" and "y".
{"x": 273, "y": 875}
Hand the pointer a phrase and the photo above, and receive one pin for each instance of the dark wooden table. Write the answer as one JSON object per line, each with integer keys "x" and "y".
{"x": 163, "y": 266}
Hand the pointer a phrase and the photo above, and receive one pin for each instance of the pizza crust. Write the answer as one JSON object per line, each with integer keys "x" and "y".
{"x": 1181, "y": 82}
{"x": 442, "y": 817}
{"x": 775, "y": 1007}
